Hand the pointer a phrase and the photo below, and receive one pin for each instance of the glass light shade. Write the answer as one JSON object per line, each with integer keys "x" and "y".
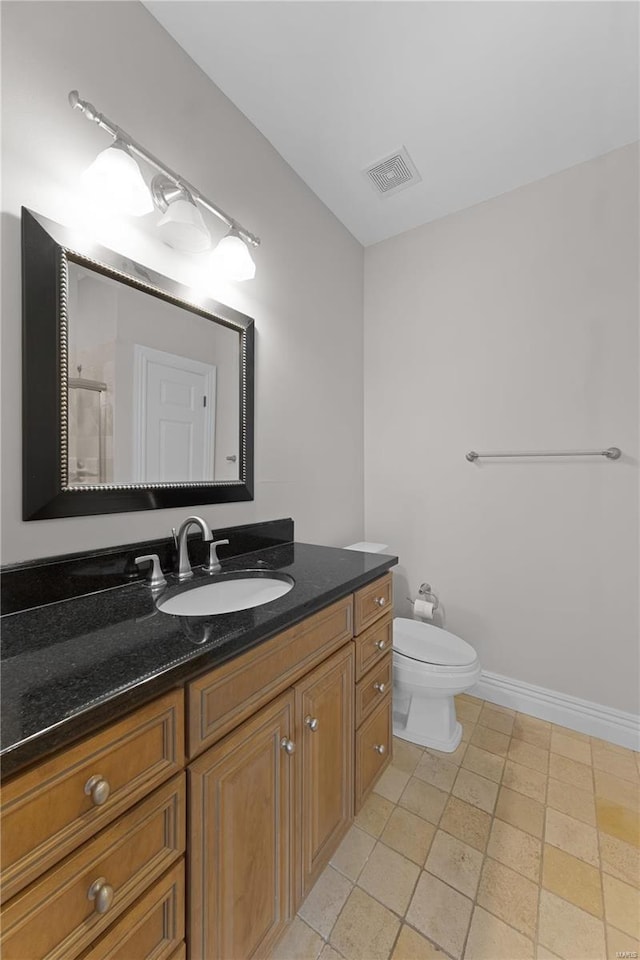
{"x": 114, "y": 178}
{"x": 183, "y": 228}
{"x": 232, "y": 259}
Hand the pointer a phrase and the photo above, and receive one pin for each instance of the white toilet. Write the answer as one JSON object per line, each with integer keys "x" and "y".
{"x": 430, "y": 667}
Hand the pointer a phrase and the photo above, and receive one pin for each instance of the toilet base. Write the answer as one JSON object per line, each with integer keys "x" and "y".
{"x": 427, "y": 721}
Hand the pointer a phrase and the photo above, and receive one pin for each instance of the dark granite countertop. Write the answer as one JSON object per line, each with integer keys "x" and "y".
{"x": 70, "y": 666}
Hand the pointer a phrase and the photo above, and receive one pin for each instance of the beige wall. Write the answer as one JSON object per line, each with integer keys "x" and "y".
{"x": 514, "y": 325}
{"x": 306, "y": 298}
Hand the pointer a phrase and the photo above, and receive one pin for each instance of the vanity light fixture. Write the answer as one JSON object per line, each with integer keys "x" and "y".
{"x": 182, "y": 224}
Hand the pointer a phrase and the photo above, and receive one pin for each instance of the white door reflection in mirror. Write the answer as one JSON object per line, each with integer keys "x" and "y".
{"x": 165, "y": 434}
{"x": 174, "y": 417}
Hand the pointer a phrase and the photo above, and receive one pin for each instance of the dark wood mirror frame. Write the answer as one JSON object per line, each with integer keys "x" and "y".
{"x": 46, "y": 250}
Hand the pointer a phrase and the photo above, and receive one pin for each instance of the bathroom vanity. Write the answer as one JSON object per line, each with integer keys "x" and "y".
{"x": 235, "y": 775}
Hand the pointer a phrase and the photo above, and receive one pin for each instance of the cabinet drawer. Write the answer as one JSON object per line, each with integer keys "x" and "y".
{"x": 152, "y": 929}
{"x": 372, "y": 688}
{"x": 372, "y": 602}
{"x": 226, "y": 696}
{"x": 373, "y": 645}
{"x": 55, "y": 918}
{"x": 46, "y": 813}
{"x": 373, "y": 749}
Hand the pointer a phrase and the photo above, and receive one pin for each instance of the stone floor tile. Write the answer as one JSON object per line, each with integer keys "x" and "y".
{"x": 619, "y": 945}
{"x": 476, "y": 790}
{"x": 572, "y": 879}
{"x": 620, "y": 822}
{"x": 537, "y": 732}
{"x": 568, "y": 732}
{"x": 469, "y": 697}
{"x": 353, "y": 852}
{"x": 466, "y": 822}
{"x": 510, "y": 896}
{"x": 573, "y": 836}
{"x": 620, "y": 859}
{"x": 374, "y": 814}
{"x": 520, "y": 811}
{"x": 390, "y": 878}
{"x": 421, "y": 798}
{"x": 365, "y": 930}
{"x": 440, "y": 913}
{"x": 467, "y": 730}
{"x": 436, "y": 771}
{"x": 465, "y": 710}
{"x": 571, "y": 772}
{"x": 515, "y": 849}
{"x": 572, "y": 801}
{"x": 622, "y": 906}
{"x": 491, "y": 740}
{"x": 411, "y": 945}
{"x": 569, "y": 931}
{"x": 455, "y": 756}
{"x": 406, "y": 755}
{"x": 325, "y": 901}
{"x": 455, "y": 862}
{"x": 543, "y": 954}
{"x": 528, "y": 755}
{"x": 623, "y": 792}
{"x": 391, "y": 783}
{"x": 491, "y": 939}
{"x": 328, "y": 953}
{"x": 486, "y": 764}
{"x": 618, "y": 764}
{"x": 409, "y": 834}
{"x": 497, "y": 718}
{"x": 525, "y": 780}
{"x": 299, "y": 942}
{"x": 579, "y": 750}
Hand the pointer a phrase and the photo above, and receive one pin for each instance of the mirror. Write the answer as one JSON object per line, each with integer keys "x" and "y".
{"x": 134, "y": 397}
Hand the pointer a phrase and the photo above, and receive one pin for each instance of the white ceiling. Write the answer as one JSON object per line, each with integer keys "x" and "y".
{"x": 486, "y": 96}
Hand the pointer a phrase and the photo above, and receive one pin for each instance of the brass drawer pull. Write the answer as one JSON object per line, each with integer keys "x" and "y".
{"x": 380, "y": 748}
{"x": 102, "y": 893}
{"x": 380, "y": 687}
{"x": 381, "y": 644}
{"x": 312, "y": 723}
{"x": 98, "y": 789}
{"x": 380, "y": 601}
{"x": 288, "y": 745}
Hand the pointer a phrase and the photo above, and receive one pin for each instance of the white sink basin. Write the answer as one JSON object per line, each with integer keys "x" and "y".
{"x": 230, "y": 592}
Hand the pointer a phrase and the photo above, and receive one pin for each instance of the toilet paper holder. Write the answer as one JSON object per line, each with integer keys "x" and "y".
{"x": 426, "y": 593}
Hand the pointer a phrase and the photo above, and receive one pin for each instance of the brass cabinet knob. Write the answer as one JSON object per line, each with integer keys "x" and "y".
{"x": 312, "y": 723}
{"x": 98, "y": 789}
{"x": 380, "y": 687}
{"x": 381, "y": 644}
{"x": 102, "y": 893}
{"x": 380, "y": 748}
{"x": 380, "y": 601}
{"x": 288, "y": 745}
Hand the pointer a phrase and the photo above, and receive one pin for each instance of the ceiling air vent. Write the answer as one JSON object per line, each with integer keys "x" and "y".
{"x": 394, "y": 173}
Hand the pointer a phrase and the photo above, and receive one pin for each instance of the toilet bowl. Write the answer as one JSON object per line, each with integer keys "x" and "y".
{"x": 430, "y": 666}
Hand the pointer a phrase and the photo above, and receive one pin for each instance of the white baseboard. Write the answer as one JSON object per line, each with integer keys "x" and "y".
{"x": 585, "y": 716}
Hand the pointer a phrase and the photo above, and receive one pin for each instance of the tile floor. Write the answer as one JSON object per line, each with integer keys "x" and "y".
{"x": 524, "y": 843}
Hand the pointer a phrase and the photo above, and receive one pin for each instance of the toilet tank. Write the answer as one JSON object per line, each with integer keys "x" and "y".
{"x": 365, "y": 546}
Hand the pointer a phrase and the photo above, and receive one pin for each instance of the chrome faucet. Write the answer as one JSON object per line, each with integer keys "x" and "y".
{"x": 184, "y": 567}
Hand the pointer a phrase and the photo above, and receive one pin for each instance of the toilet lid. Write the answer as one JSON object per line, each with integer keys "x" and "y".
{"x": 430, "y": 644}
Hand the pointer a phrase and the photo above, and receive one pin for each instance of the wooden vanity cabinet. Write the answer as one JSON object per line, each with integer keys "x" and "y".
{"x": 283, "y": 742}
{"x": 324, "y": 794}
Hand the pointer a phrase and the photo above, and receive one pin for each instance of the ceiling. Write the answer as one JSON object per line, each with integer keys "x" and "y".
{"x": 485, "y": 96}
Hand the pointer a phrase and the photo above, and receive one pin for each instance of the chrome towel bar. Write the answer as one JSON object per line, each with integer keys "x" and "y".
{"x": 611, "y": 453}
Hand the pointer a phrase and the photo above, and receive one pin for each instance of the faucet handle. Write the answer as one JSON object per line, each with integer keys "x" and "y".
{"x": 156, "y": 579}
{"x": 214, "y": 564}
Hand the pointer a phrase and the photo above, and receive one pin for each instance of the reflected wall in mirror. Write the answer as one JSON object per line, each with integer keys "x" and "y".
{"x": 134, "y": 397}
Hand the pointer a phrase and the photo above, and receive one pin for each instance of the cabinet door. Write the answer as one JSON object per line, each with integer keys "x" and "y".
{"x": 241, "y": 802}
{"x": 324, "y": 724}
